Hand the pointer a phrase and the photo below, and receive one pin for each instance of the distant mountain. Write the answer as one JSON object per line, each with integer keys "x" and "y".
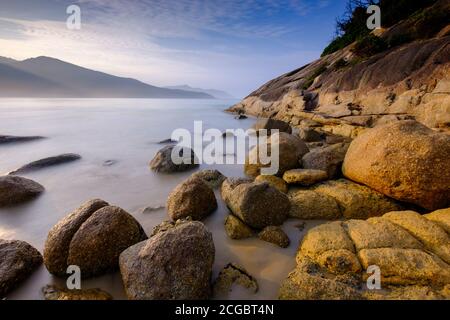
{"x": 213, "y": 92}
{"x": 49, "y": 77}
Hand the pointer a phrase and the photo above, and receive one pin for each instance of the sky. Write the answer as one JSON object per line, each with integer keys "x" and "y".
{"x": 232, "y": 45}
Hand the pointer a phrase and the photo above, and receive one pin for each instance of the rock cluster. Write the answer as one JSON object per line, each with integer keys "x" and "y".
{"x": 92, "y": 238}
{"x": 411, "y": 250}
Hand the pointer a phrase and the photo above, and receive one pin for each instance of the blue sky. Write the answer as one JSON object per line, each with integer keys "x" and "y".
{"x": 231, "y": 45}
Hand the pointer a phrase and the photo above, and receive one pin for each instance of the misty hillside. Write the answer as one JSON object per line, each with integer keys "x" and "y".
{"x": 219, "y": 94}
{"x": 48, "y": 77}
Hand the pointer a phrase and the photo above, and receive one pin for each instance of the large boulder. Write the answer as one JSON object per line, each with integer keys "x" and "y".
{"x": 409, "y": 249}
{"x": 327, "y": 158}
{"x": 291, "y": 150}
{"x": 336, "y": 199}
{"x": 404, "y": 160}
{"x": 18, "y": 260}
{"x": 272, "y": 124}
{"x": 191, "y": 198}
{"x": 175, "y": 264}
{"x": 162, "y": 162}
{"x": 15, "y": 190}
{"x": 258, "y": 204}
{"x": 91, "y": 237}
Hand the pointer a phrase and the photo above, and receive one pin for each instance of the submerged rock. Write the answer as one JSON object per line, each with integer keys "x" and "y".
{"x": 15, "y": 190}
{"x": 18, "y": 260}
{"x": 234, "y": 274}
{"x": 273, "y": 181}
{"x": 172, "y": 265}
{"x": 404, "y": 160}
{"x": 213, "y": 178}
{"x": 162, "y": 162}
{"x": 192, "y": 198}
{"x": 14, "y": 139}
{"x": 275, "y": 235}
{"x": 46, "y": 162}
{"x": 56, "y": 293}
{"x": 410, "y": 250}
{"x": 91, "y": 237}
{"x": 258, "y": 204}
{"x": 236, "y": 229}
{"x": 291, "y": 150}
{"x": 304, "y": 177}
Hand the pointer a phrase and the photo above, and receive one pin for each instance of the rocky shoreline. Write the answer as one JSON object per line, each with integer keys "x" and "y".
{"x": 390, "y": 200}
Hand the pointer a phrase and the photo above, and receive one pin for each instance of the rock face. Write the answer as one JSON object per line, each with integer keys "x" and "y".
{"x": 192, "y": 198}
{"x": 273, "y": 181}
{"x": 272, "y": 124}
{"x": 409, "y": 249}
{"x": 258, "y": 204}
{"x": 15, "y": 190}
{"x": 213, "y": 178}
{"x": 174, "y": 264}
{"x": 304, "y": 177}
{"x": 18, "y": 260}
{"x": 291, "y": 150}
{"x": 339, "y": 199}
{"x": 91, "y": 237}
{"x": 56, "y": 293}
{"x": 46, "y": 162}
{"x": 14, "y": 139}
{"x": 329, "y": 159}
{"x": 275, "y": 235}
{"x": 236, "y": 229}
{"x": 405, "y": 161}
{"x": 333, "y": 96}
{"x": 162, "y": 162}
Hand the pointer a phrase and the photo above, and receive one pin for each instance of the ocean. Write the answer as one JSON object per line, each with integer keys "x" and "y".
{"x": 125, "y": 132}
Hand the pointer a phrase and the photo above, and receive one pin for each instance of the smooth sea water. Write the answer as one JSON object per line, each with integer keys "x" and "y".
{"x": 126, "y": 131}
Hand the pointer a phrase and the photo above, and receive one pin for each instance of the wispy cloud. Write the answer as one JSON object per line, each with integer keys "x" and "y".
{"x": 229, "y": 44}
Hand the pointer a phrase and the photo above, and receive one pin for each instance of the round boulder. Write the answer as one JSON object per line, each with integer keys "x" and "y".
{"x": 163, "y": 161}
{"x": 91, "y": 237}
{"x": 291, "y": 149}
{"x": 172, "y": 265}
{"x": 258, "y": 204}
{"x": 15, "y": 190}
{"x": 192, "y": 198}
{"x": 404, "y": 160}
